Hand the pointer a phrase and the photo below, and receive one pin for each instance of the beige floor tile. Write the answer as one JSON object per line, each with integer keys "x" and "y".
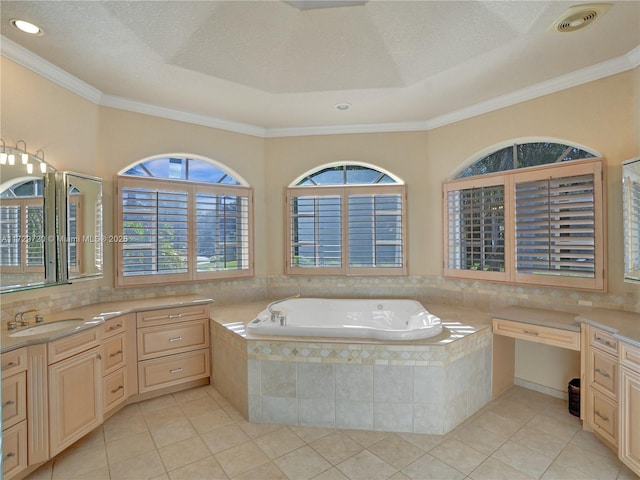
{"x": 120, "y": 427}
{"x": 204, "y": 469}
{"x": 588, "y": 441}
{"x": 76, "y": 463}
{"x": 523, "y": 459}
{"x": 479, "y": 438}
{"x": 99, "y": 474}
{"x": 210, "y": 420}
{"x": 366, "y": 466}
{"x": 496, "y": 470}
{"x": 428, "y": 467}
{"x": 302, "y": 464}
{"x": 310, "y": 434}
{"x": 396, "y": 451}
{"x": 241, "y": 459}
{"x": 172, "y": 433}
{"x": 365, "y": 437}
{"x": 158, "y": 403}
{"x": 94, "y": 439}
{"x": 557, "y": 471}
{"x": 129, "y": 447}
{"x": 191, "y": 394}
{"x": 539, "y": 441}
{"x": 224, "y": 438}
{"x": 268, "y": 471}
{"x": 422, "y": 440}
{"x": 163, "y": 476}
{"x": 458, "y": 455}
{"x": 255, "y": 430}
{"x": 277, "y": 443}
{"x": 45, "y": 472}
{"x": 336, "y": 448}
{"x": 398, "y": 476}
{"x": 603, "y": 467}
{"x": 164, "y": 416}
{"x": 331, "y": 474}
{"x": 498, "y": 424}
{"x": 199, "y": 406}
{"x": 552, "y": 426}
{"x": 514, "y": 410}
{"x": 147, "y": 465}
{"x": 179, "y": 454}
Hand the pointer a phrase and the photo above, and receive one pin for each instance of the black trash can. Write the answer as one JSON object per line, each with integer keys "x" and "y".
{"x": 574, "y": 397}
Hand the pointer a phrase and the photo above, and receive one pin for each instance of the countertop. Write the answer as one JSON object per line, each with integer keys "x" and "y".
{"x": 93, "y": 315}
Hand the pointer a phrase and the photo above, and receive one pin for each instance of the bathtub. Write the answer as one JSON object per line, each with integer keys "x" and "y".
{"x": 347, "y": 318}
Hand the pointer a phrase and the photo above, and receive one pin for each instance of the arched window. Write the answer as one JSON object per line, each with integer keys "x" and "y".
{"x": 182, "y": 219}
{"x": 346, "y": 219}
{"x": 529, "y": 213}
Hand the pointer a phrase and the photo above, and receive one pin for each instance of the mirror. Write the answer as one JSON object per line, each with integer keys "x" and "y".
{"x": 631, "y": 218}
{"x": 83, "y": 197}
{"x": 27, "y": 248}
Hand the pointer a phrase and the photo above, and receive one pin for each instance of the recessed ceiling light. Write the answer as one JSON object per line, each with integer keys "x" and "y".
{"x": 26, "y": 27}
{"x": 343, "y": 106}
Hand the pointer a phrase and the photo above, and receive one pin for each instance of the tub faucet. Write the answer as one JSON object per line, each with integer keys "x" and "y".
{"x": 276, "y": 314}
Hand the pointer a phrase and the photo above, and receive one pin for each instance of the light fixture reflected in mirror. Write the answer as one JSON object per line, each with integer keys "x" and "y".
{"x": 8, "y": 157}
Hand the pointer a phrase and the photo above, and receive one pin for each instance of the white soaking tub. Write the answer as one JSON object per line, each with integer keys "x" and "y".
{"x": 347, "y": 318}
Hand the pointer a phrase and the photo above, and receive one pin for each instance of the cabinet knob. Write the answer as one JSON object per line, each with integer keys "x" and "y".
{"x": 120, "y": 387}
{"x": 9, "y": 455}
{"x": 9, "y": 365}
{"x": 115, "y": 354}
{"x": 8, "y": 403}
{"x": 114, "y": 327}
{"x": 175, "y": 315}
{"x": 99, "y": 357}
{"x": 175, "y": 370}
{"x": 604, "y": 374}
{"x": 175, "y": 339}
{"x": 603, "y": 417}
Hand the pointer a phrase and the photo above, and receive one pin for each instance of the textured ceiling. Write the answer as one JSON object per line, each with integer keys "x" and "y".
{"x": 269, "y": 64}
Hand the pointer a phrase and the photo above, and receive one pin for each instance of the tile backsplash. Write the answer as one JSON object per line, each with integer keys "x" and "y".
{"x": 426, "y": 289}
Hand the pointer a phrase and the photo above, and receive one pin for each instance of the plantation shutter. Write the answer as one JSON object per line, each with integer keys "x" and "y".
{"x": 631, "y": 191}
{"x": 154, "y": 225}
{"x": 222, "y": 231}
{"x": 315, "y": 229}
{"x": 35, "y": 236}
{"x": 375, "y": 230}
{"x": 555, "y": 226}
{"x": 10, "y": 229}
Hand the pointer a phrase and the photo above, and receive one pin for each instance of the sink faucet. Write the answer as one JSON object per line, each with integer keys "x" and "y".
{"x": 19, "y": 319}
{"x": 276, "y": 314}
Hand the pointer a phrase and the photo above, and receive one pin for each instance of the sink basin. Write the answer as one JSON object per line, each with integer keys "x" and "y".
{"x": 47, "y": 327}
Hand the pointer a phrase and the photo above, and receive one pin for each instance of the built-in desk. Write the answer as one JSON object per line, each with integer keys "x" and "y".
{"x": 558, "y": 329}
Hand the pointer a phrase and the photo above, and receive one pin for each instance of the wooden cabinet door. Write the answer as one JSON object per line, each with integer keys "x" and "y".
{"x": 630, "y": 419}
{"x": 75, "y": 398}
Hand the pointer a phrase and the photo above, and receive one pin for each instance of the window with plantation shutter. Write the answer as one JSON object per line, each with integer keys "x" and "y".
{"x": 22, "y": 246}
{"x": 346, "y": 219}
{"x": 541, "y": 225}
{"x": 177, "y": 231}
{"x": 631, "y": 218}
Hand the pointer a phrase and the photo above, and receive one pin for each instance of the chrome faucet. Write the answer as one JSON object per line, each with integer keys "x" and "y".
{"x": 276, "y": 314}
{"x": 19, "y": 319}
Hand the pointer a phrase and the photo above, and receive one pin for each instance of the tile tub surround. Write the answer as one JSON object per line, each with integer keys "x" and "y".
{"x": 426, "y": 386}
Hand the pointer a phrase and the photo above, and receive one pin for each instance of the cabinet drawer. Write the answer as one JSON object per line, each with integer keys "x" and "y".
{"x": 630, "y": 356}
{"x": 603, "y": 340}
{"x": 605, "y": 372}
{"x": 172, "y": 315}
{"x": 113, "y": 354}
{"x": 14, "y": 399}
{"x": 605, "y": 417}
{"x": 537, "y": 333}
{"x": 173, "y": 370}
{"x": 14, "y": 450}
{"x": 113, "y": 327}
{"x": 115, "y": 389}
{"x": 14, "y": 361}
{"x": 172, "y": 338}
{"x": 73, "y": 344}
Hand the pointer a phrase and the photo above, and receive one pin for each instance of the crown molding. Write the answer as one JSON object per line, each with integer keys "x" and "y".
{"x": 46, "y": 69}
{"x": 37, "y": 64}
{"x": 127, "y": 104}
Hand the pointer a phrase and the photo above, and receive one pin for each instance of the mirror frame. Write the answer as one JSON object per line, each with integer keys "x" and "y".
{"x": 631, "y": 219}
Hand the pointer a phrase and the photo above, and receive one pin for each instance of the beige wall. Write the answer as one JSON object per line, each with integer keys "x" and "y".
{"x": 78, "y": 135}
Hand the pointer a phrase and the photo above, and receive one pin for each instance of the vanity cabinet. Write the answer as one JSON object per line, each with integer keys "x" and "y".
{"x": 117, "y": 361}
{"x": 14, "y": 412}
{"x": 601, "y": 405}
{"x": 629, "y": 437}
{"x": 75, "y": 388}
{"x": 173, "y": 346}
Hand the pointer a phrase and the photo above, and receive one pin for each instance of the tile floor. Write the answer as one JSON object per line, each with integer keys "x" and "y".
{"x": 196, "y": 434}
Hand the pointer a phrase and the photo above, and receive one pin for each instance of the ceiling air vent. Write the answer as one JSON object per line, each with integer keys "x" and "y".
{"x": 579, "y": 16}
